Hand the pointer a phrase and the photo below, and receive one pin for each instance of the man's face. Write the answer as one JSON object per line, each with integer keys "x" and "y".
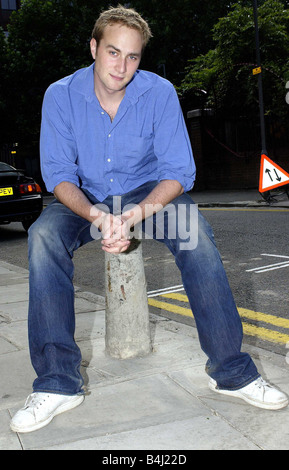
{"x": 117, "y": 57}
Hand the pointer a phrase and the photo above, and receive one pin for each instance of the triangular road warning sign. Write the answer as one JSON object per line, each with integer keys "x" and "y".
{"x": 271, "y": 175}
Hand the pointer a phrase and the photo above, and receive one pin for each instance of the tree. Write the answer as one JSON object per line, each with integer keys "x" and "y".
{"x": 182, "y": 29}
{"x": 47, "y": 40}
{"x": 225, "y": 73}
{"x": 3, "y": 71}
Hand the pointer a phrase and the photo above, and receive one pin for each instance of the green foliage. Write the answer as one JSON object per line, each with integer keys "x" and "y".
{"x": 3, "y": 68}
{"x": 182, "y": 30}
{"x": 225, "y": 72}
{"x": 47, "y": 40}
{"x": 197, "y": 45}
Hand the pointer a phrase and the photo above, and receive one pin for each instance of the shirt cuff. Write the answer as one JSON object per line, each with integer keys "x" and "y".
{"x": 56, "y": 180}
{"x": 187, "y": 183}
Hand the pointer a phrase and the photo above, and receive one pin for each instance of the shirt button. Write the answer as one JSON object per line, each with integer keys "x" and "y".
{"x": 111, "y": 180}
{"x": 109, "y": 160}
{"x": 109, "y": 135}
{"x": 102, "y": 112}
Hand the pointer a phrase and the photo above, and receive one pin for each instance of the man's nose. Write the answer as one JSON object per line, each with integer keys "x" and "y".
{"x": 121, "y": 65}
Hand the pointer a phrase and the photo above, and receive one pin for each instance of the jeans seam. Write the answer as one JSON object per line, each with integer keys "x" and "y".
{"x": 59, "y": 392}
{"x": 71, "y": 248}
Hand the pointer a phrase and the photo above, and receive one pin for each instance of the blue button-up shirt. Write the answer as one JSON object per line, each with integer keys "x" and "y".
{"x": 146, "y": 141}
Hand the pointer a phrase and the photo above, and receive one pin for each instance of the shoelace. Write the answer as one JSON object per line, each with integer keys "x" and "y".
{"x": 35, "y": 400}
{"x": 261, "y": 383}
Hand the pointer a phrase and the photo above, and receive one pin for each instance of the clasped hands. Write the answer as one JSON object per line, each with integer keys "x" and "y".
{"x": 115, "y": 231}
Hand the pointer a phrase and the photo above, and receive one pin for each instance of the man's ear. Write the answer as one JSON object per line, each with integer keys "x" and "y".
{"x": 93, "y": 47}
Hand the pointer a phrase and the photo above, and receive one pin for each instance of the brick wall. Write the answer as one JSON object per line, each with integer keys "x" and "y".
{"x": 228, "y": 152}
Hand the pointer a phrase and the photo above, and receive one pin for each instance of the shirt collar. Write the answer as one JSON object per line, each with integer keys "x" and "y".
{"x": 84, "y": 83}
{"x": 139, "y": 85}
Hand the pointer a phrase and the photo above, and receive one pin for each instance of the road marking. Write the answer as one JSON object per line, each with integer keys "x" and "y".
{"x": 264, "y": 334}
{"x": 250, "y": 314}
{"x": 171, "y": 307}
{"x": 249, "y": 329}
{"x": 166, "y": 290}
{"x": 271, "y": 267}
{"x": 275, "y": 256}
{"x": 264, "y": 317}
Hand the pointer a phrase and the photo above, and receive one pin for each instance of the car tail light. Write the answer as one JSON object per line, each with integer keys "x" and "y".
{"x": 29, "y": 188}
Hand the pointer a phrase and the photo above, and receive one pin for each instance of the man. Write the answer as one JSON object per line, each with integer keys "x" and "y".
{"x": 113, "y": 130}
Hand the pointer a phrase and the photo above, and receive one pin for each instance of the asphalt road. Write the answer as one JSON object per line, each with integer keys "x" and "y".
{"x": 255, "y": 252}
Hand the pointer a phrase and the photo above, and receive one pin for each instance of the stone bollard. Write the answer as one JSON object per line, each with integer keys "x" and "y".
{"x": 127, "y": 314}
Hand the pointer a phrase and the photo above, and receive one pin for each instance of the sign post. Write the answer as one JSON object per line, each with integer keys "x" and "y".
{"x": 258, "y": 71}
{"x": 271, "y": 175}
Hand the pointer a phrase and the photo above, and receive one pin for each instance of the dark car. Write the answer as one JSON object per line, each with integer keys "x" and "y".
{"x": 21, "y": 197}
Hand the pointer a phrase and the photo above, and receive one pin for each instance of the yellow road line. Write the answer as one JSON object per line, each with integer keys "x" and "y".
{"x": 171, "y": 307}
{"x": 267, "y": 335}
{"x": 249, "y": 329}
{"x": 258, "y": 316}
{"x": 264, "y": 317}
{"x": 176, "y": 296}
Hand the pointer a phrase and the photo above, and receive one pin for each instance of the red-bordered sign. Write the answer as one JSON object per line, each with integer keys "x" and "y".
{"x": 271, "y": 175}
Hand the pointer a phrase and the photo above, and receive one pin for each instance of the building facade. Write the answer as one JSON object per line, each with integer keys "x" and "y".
{"x": 6, "y": 8}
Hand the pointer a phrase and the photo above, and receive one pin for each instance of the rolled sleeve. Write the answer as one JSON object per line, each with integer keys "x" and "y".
{"x": 172, "y": 144}
{"x": 58, "y": 153}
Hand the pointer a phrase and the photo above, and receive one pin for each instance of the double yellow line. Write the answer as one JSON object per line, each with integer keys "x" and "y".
{"x": 261, "y": 332}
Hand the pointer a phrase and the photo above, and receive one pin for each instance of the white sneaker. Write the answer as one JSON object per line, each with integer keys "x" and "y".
{"x": 258, "y": 393}
{"x": 40, "y": 409}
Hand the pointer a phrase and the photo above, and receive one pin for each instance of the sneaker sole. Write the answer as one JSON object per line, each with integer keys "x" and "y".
{"x": 257, "y": 404}
{"x": 61, "y": 409}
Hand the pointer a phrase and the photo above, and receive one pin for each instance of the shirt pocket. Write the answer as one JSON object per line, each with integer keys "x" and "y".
{"x": 133, "y": 151}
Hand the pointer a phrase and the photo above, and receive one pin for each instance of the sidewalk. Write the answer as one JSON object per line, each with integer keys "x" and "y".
{"x": 158, "y": 402}
{"x": 239, "y": 198}
{"x": 226, "y": 198}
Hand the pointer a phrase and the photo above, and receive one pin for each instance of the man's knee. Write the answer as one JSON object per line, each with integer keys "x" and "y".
{"x": 39, "y": 235}
{"x": 42, "y": 228}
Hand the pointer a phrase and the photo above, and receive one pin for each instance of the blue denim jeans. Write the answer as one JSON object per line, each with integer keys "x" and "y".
{"x": 55, "y": 356}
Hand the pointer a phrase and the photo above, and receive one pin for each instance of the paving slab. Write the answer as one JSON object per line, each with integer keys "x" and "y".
{"x": 157, "y": 402}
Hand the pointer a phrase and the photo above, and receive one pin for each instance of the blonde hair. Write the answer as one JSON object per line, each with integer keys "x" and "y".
{"x": 125, "y": 16}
